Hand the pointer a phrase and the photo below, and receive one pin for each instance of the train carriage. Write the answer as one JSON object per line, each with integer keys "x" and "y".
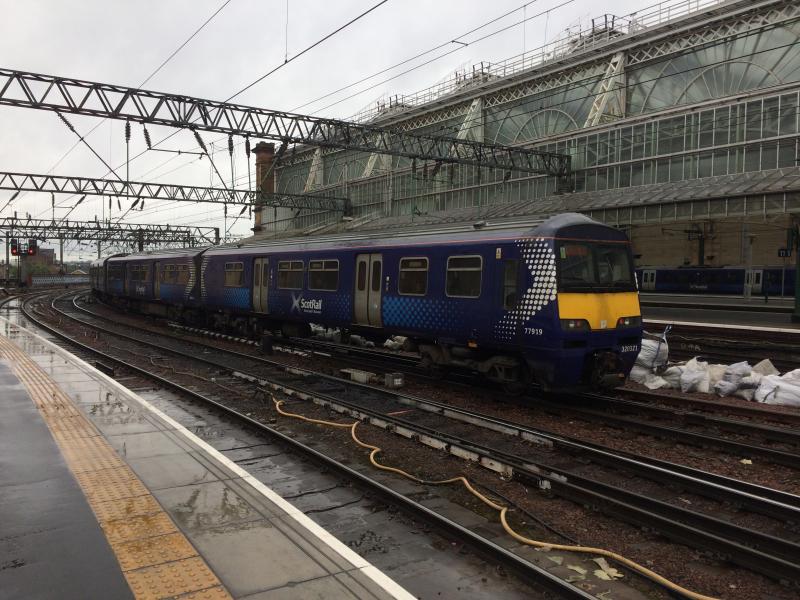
{"x": 555, "y": 303}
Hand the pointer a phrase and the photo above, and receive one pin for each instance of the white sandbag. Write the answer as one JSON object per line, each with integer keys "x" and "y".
{"x": 745, "y": 393}
{"x": 778, "y": 390}
{"x": 765, "y": 367}
{"x": 725, "y": 388}
{"x": 639, "y": 374}
{"x": 737, "y": 371}
{"x": 715, "y": 374}
{"x": 653, "y": 354}
{"x": 654, "y": 382}
{"x": 793, "y": 376}
{"x": 751, "y": 382}
{"x": 673, "y": 376}
{"x": 695, "y": 377}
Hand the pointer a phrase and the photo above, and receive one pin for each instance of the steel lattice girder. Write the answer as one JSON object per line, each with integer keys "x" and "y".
{"x": 103, "y": 231}
{"x": 48, "y": 92}
{"x": 61, "y": 184}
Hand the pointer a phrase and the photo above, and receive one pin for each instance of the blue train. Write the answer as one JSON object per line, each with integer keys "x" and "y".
{"x": 555, "y": 303}
{"x": 775, "y": 281}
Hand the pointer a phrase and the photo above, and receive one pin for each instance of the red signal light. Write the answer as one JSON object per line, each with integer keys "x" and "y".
{"x": 31, "y": 250}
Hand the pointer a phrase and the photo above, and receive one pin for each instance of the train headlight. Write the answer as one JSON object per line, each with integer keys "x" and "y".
{"x": 574, "y": 325}
{"x": 629, "y": 322}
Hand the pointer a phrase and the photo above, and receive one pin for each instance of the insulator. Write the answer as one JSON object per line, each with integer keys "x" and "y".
{"x": 141, "y": 206}
{"x": 147, "y": 138}
{"x": 230, "y": 145}
{"x": 127, "y": 131}
{"x": 247, "y": 147}
{"x": 226, "y": 210}
{"x": 119, "y": 204}
{"x": 200, "y": 141}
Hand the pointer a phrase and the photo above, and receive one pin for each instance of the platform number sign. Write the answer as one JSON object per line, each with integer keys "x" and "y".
{"x": 784, "y": 252}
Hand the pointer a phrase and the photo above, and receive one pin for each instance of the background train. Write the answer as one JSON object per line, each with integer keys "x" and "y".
{"x": 776, "y": 281}
{"x": 555, "y": 303}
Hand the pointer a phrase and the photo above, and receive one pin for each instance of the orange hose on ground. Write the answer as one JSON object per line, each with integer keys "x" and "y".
{"x": 503, "y": 510}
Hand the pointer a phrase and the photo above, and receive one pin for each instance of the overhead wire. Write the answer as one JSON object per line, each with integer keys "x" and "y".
{"x": 148, "y": 78}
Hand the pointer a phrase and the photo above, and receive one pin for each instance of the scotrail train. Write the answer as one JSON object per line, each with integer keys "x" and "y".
{"x": 554, "y": 304}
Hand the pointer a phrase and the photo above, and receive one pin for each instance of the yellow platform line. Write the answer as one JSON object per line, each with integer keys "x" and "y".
{"x": 155, "y": 557}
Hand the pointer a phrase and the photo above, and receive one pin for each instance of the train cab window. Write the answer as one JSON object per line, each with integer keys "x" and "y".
{"x": 323, "y": 275}
{"x": 115, "y": 272}
{"x": 464, "y": 276}
{"x": 613, "y": 265}
{"x": 234, "y": 274}
{"x": 290, "y": 275}
{"x": 585, "y": 267}
{"x": 510, "y": 292}
{"x": 413, "y": 280}
{"x": 144, "y": 272}
{"x": 182, "y": 275}
{"x": 361, "y": 277}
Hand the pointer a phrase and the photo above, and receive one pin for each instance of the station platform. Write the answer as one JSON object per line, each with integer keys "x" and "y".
{"x": 99, "y": 499}
{"x": 723, "y": 312}
{"x": 754, "y": 303}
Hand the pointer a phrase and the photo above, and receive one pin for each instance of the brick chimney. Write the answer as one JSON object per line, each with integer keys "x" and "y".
{"x": 265, "y": 177}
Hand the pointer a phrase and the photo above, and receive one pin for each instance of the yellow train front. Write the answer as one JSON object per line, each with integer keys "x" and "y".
{"x": 579, "y": 321}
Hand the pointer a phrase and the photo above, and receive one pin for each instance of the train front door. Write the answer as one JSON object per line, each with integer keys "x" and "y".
{"x": 369, "y": 279}
{"x": 648, "y": 280}
{"x": 754, "y": 279}
{"x": 261, "y": 285}
{"x": 157, "y": 280}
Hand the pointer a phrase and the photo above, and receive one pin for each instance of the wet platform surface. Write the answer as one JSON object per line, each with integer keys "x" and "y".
{"x": 51, "y": 545}
{"x": 214, "y": 522}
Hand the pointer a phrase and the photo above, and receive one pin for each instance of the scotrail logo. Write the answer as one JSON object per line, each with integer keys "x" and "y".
{"x": 301, "y": 305}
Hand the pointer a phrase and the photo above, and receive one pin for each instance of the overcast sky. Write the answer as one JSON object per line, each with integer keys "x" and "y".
{"x": 117, "y": 42}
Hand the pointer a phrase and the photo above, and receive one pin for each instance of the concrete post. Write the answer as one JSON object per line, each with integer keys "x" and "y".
{"x": 265, "y": 179}
{"x": 61, "y": 255}
{"x": 8, "y": 256}
{"x": 98, "y": 248}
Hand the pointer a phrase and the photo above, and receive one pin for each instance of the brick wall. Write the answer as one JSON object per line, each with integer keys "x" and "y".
{"x": 670, "y": 244}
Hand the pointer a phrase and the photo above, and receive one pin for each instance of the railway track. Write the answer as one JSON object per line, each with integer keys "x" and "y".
{"x": 372, "y": 488}
{"x": 617, "y": 412}
{"x": 430, "y": 421}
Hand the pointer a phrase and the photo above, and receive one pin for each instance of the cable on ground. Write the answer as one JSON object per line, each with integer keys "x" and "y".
{"x": 503, "y": 510}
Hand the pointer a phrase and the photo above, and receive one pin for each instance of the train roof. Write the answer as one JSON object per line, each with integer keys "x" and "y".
{"x": 565, "y": 225}
{"x": 449, "y": 234}
{"x": 159, "y": 254}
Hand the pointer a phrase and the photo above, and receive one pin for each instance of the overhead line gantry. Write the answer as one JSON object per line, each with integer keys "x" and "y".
{"x": 140, "y": 234}
{"x": 92, "y": 186}
{"x": 75, "y": 96}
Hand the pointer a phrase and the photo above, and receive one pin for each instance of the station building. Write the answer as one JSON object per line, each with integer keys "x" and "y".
{"x": 681, "y": 122}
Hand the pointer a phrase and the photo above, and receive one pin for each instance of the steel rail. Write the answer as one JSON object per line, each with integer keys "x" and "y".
{"x": 737, "y": 548}
{"x": 485, "y": 547}
{"x": 744, "y": 493}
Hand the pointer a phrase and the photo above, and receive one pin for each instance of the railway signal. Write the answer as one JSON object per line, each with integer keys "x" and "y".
{"x": 15, "y": 247}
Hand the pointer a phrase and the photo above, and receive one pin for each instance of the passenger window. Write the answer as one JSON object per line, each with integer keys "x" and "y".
{"x": 413, "y": 280}
{"x": 510, "y": 295}
{"x": 464, "y": 276}
{"x": 234, "y": 274}
{"x": 362, "y": 275}
{"x": 290, "y": 275}
{"x": 265, "y": 274}
{"x": 323, "y": 275}
{"x": 376, "y": 276}
{"x": 182, "y": 275}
